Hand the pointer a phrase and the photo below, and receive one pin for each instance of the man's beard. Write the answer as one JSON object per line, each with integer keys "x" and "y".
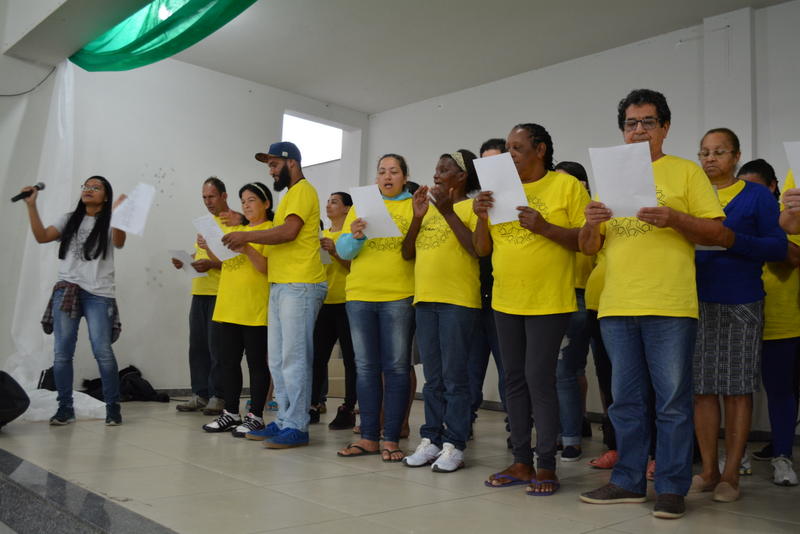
{"x": 284, "y": 179}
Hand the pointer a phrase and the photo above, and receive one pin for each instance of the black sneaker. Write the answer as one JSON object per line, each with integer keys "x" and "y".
{"x": 669, "y": 506}
{"x": 63, "y": 416}
{"x": 251, "y": 423}
{"x": 765, "y": 454}
{"x": 612, "y": 494}
{"x": 225, "y": 422}
{"x": 113, "y": 415}
{"x": 571, "y": 453}
{"x": 313, "y": 415}
{"x": 345, "y": 418}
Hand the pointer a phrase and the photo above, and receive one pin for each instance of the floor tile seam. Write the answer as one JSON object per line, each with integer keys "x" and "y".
{"x": 409, "y": 507}
{"x": 430, "y": 486}
{"x": 199, "y": 494}
{"x": 758, "y": 516}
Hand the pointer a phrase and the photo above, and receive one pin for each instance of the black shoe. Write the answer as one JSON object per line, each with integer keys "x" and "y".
{"x": 586, "y": 429}
{"x": 63, "y": 416}
{"x": 669, "y": 506}
{"x": 313, "y": 414}
{"x": 345, "y": 418}
{"x": 765, "y": 454}
{"x": 113, "y": 415}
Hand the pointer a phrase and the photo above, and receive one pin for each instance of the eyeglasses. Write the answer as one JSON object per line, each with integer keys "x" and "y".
{"x": 716, "y": 153}
{"x": 95, "y": 188}
{"x": 648, "y": 123}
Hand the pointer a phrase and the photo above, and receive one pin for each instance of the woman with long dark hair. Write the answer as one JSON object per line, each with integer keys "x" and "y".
{"x": 241, "y": 316}
{"x": 85, "y": 288}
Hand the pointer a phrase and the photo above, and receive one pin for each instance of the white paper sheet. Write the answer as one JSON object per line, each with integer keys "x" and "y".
{"x": 793, "y": 155}
{"x": 324, "y": 255}
{"x": 623, "y": 178}
{"x": 212, "y": 233}
{"x": 186, "y": 259}
{"x": 499, "y": 175}
{"x": 370, "y": 207}
{"x": 131, "y": 215}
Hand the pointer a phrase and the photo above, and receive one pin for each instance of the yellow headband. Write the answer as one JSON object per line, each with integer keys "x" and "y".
{"x": 459, "y": 159}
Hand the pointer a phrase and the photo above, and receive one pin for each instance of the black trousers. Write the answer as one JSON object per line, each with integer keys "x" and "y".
{"x": 236, "y": 339}
{"x": 332, "y": 325}
{"x": 529, "y": 347}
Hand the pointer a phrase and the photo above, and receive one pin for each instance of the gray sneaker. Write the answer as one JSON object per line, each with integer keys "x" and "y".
{"x": 612, "y": 494}
{"x": 669, "y": 506}
{"x": 192, "y": 405}
{"x": 214, "y": 407}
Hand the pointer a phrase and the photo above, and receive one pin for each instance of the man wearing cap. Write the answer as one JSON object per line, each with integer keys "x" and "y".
{"x": 297, "y": 289}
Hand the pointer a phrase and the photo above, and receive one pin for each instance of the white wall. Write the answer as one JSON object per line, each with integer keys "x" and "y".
{"x": 706, "y": 73}
{"x": 170, "y": 124}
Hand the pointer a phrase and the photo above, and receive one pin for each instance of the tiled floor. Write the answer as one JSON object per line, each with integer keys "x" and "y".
{"x": 163, "y": 466}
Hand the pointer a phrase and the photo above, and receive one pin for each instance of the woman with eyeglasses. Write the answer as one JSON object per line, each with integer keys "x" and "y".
{"x": 85, "y": 288}
{"x": 781, "y": 348}
{"x": 241, "y": 316}
{"x": 727, "y": 357}
{"x": 533, "y": 297}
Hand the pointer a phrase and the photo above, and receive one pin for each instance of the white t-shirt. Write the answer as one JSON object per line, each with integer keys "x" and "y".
{"x": 94, "y": 276}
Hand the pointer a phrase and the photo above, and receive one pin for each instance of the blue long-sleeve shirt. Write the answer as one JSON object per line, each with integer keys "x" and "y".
{"x": 733, "y": 276}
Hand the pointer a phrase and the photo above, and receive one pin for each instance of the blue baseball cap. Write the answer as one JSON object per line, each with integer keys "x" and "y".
{"x": 284, "y": 149}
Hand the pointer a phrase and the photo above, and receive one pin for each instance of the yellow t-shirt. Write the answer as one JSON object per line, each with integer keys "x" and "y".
{"x": 649, "y": 270}
{"x": 595, "y": 282}
{"x": 379, "y": 273}
{"x": 298, "y": 262}
{"x": 532, "y": 274}
{"x": 243, "y": 291}
{"x": 206, "y": 285}
{"x": 726, "y": 194}
{"x": 335, "y": 273}
{"x": 782, "y": 303}
{"x": 583, "y": 268}
{"x": 444, "y": 271}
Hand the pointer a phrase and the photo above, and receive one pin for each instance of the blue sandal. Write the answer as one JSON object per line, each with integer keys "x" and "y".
{"x": 538, "y": 483}
{"x": 512, "y": 481}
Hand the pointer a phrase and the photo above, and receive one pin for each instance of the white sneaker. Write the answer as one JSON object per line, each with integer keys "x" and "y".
{"x": 224, "y": 423}
{"x": 449, "y": 460}
{"x": 425, "y": 454}
{"x": 783, "y": 473}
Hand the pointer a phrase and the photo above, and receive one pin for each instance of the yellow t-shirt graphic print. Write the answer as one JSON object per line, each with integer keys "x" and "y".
{"x": 243, "y": 291}
{"x": 650, "y": 270}
{"x": 532, "y": 274}
{"x": 379, "y": 273}
{"x": 445, "y": 271}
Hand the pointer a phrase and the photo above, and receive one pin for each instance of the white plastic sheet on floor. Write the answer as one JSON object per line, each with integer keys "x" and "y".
{"x": 33, "y": 349}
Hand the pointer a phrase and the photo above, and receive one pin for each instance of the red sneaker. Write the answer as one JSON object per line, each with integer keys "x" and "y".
{"x": 607, "y": 461}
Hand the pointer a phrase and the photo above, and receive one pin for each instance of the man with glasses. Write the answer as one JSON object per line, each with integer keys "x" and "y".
{"x": 648, "y": 312}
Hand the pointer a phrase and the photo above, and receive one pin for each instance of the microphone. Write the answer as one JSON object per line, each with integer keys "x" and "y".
{"x": 25, "y": 194}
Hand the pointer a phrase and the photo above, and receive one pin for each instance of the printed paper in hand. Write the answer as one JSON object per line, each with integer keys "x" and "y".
{"x": 499, "y": 175}
{"x": 370, "y": 207}
{"x": 623, "y": 178}
{"x": 212, "y": 233}
{"x": 324, "y": 255}
{"x": 131, "y": 215}
{"x": 793, "y": 155}
{"x": 185, "y": 258}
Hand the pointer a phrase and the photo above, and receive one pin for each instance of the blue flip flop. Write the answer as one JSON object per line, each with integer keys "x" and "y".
{"x": 555, "y": 483}
{"x": 512, "y": 481}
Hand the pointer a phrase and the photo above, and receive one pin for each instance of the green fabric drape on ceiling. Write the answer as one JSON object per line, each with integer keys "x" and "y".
{"x": 157, "y": 31}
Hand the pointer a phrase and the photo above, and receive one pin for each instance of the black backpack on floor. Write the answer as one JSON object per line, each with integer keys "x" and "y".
{"x": 13, "y": 399}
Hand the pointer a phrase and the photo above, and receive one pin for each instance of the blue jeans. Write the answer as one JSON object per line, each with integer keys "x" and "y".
{"x": 293, "y": 311}
{"x": 652, "y": 355}
{"x": 484, "y": 342}
{"x": 381, "y": 333}
{"x": 98, "y": 312}
{"x": 571, "y": 364}
{"x": 444, "y": 334}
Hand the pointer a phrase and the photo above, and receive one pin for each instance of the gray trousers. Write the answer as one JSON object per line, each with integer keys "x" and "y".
{"x": 529, "y": 346}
